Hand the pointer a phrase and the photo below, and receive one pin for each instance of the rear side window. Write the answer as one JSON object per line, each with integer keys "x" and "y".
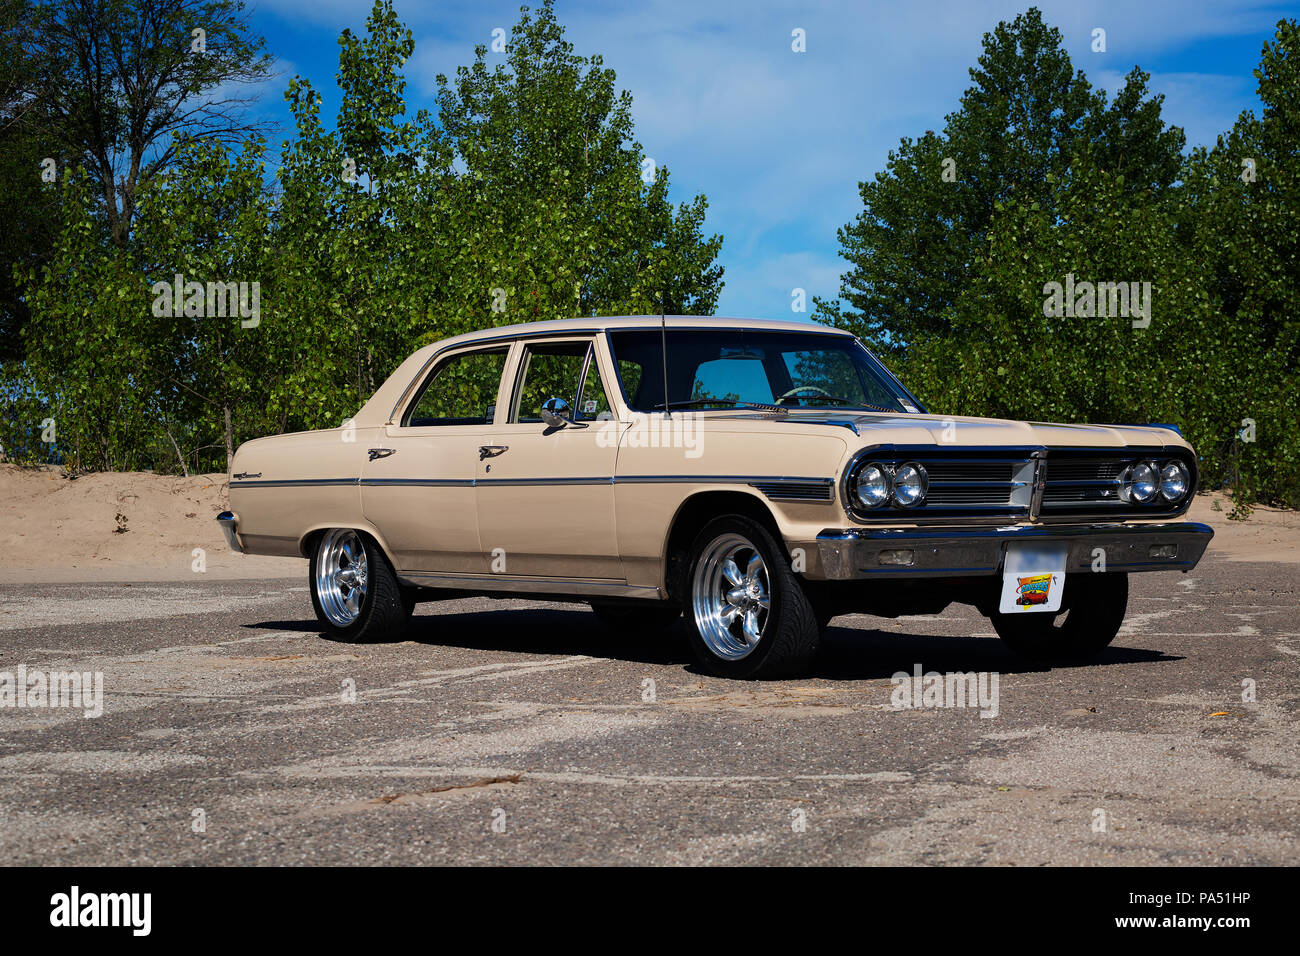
{"x": 461, "y": 391}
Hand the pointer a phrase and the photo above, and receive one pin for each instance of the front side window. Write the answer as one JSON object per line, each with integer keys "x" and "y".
{"x": 556, "y": 370}
{"x": 724, "y": 368}
{"x": 461, "y": 391}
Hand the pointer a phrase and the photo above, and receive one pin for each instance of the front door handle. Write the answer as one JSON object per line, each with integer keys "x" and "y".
{"x": 381, "y": 452}
{"x": 491, "y": 451}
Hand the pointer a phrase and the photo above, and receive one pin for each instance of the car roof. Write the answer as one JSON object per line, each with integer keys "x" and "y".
{"x": 603, "y": 322}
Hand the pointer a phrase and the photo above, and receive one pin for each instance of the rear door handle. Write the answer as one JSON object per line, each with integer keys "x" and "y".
{"x": 381, "y": 452}
{"x": 491, "y": 451}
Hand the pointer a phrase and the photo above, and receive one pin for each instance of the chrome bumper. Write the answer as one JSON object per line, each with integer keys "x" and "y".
{"x": 228, "y": 523}
{"x": 919, "y": 552}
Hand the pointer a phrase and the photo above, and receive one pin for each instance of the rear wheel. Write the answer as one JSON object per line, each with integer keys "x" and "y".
{"x": 747, "y": 611}
{"x": 1094, "y": 607}
{"x": 354, "y": 590}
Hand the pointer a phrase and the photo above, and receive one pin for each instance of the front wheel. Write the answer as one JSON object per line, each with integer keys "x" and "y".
{"x": 356, "y": 595}
{"x": 747, "y": 611}
{"x": 1093, "y": 611}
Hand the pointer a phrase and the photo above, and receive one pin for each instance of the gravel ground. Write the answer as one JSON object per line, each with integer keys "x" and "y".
{"x": 514, "y": 732}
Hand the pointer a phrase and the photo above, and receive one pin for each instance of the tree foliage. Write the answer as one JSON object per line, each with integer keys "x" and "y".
{"x": 521, "y": 197}
{"x": 948, "y": 275}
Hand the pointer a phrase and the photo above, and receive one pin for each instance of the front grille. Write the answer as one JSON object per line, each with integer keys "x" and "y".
{"x": 951, "y": 494}
{"x": 1087, "y": 482}
{"x": 1086, "y": 469}
{"x": 1082, "y": 481}
{"x": 999, "y": 483}
{"x": 962, "y": 483}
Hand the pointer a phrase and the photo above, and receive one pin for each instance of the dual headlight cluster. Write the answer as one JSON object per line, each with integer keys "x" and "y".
{"x": 878, "y": 483}
{"x": 1147, "y": 482}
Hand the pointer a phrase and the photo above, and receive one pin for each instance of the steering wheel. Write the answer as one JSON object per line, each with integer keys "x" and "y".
{"x": 804, "y": 388}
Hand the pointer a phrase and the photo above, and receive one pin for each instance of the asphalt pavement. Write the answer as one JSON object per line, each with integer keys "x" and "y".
{"x": 513, "y": 732}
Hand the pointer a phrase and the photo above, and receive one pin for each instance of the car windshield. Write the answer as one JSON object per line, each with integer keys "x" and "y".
{"x": 725, "y": 368}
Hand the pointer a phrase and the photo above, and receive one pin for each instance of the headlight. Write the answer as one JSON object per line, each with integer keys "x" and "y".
{"x": 1143, "y": 482}
{"x": 1173, "y": 480}
{"x": 872, "y": 485}
{"x": 910, "y": 483}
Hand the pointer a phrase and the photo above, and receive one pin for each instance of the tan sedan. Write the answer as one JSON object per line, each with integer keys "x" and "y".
{"x": 759, "y": 476}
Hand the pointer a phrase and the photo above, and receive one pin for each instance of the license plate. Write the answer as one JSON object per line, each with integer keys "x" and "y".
{"x": 1033, "y": 578}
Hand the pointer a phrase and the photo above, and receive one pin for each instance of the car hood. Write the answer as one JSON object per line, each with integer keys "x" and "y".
{"x": 894, "y": 428}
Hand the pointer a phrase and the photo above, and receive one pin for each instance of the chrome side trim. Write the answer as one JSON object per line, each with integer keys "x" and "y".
{"x": 527, "y": 585}
{"x": 503, "y": 482}
{"x": 419, "y": 482}
{"x": 854, "y": 554}
{"x": 229, "y": 525}
{"x": 714, "y": 479}
{"x": 776, "y": 480}
{"x": 293, "y": 482}
{"x": 781, "y": 481}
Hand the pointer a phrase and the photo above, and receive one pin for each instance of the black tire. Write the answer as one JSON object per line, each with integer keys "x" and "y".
{"x": 1093, "y": 606}
{"x": 637, "y": 619}
{"x": 385, "y": 608}
{"x": 790, "y": 633}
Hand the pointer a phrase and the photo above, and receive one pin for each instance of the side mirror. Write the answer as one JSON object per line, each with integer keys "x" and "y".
{"x": 556, "y": 413}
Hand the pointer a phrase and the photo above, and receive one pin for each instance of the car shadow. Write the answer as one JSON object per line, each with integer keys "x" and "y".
{"x": 849, "y": 654}
{"x": 846, "y": 654}
{"x": 548, "y": 631}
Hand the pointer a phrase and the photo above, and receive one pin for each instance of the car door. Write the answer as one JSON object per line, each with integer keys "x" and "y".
{"x": 418, "y": 488}
{"x": 545, "y": 493}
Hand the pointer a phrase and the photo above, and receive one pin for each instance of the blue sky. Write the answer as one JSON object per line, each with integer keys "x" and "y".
{"x": 778, "y": 140}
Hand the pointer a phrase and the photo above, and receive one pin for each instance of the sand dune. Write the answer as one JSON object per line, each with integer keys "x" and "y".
{"x": 56, "y": 529}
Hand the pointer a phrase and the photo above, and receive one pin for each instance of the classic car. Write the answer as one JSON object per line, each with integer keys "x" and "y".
{"x": 756, "y": 478}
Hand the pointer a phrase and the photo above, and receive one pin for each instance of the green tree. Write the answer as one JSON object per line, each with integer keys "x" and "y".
{"x": 84, "y": 356}
{"x": 558, "y": 206}
{"x": 207, "y": 220}
{"x": 1238, "y": 225}
{"x": 1018, "y": 137}
{"x": 360, "y": 233}
{"x": 525, "y": 199}
{"x": 378, "y": 234}
{"x": 951, "y": 276}
{"x": 118, "y": 83}
{"x": 29, "y": 204}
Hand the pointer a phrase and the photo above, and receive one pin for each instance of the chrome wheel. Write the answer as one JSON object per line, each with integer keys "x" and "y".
{"x": 730, "y": 596}
{"x": 341, "y": 575}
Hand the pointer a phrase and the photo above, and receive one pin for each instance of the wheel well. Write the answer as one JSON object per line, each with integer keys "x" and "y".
{"x": 307, "y": 546}
{"x": 308, "y": 543}
{"x": 694, "y": 514}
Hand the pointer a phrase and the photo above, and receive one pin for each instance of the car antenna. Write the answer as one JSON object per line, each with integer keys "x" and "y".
{"x": 663, "y": 339}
